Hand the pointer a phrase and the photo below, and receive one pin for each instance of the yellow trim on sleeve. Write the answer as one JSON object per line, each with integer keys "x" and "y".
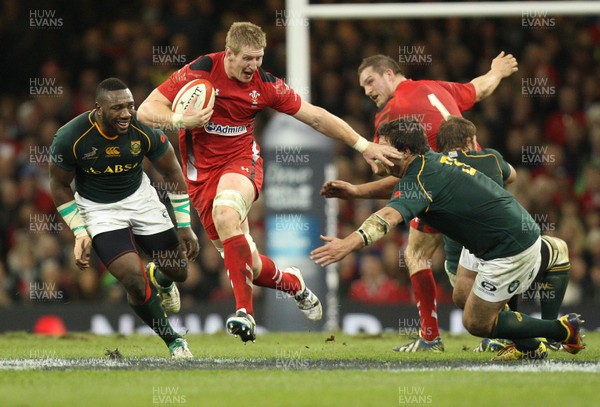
{"x": 419, "y": 178}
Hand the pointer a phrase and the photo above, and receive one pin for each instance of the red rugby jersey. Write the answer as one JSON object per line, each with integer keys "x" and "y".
{"x": 229, "y": 133}
{"x": 417, "y": 98}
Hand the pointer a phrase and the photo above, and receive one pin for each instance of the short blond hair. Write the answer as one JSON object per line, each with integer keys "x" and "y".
{"x": 245, "y": 33}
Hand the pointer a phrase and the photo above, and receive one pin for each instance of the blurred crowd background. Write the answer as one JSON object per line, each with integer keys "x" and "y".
{"x": 545, "y": 120}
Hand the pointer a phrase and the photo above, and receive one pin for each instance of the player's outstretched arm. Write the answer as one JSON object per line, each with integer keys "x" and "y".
{"x": 372, "y": 229}
{"x": 168, "y": 166}
{"x": 155, "y": 111}
{"x": 64, "y": 200}
{"x": 336, "y": 128}
{"x": 380, "y": 189}
{"x": 502, "y": 67}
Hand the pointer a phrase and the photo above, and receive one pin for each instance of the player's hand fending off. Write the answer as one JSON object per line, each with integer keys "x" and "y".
{"x": 339, "y": 189}
{"x": 376, "y": 152}
{"x": 333, "y": 251}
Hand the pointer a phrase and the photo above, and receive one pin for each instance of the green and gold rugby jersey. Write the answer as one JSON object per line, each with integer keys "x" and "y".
{"x": 465, "y": 205}
{"x": 489, "y": 162}
{"x": 107, "y": 168}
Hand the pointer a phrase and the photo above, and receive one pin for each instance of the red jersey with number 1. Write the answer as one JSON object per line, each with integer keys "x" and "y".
{"x": 426, "y": 100}
{"x": 229, "y": 133}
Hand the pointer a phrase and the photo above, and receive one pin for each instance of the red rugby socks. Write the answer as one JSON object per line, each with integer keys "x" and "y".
{"x": 423, "y": 285}
{"x": 238, "y": 262}
{"x": 271, "y": 277}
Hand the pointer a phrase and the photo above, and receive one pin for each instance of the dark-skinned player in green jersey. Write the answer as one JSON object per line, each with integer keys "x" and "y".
{"x": 453, "y": 197}
{"x": 114, "y": 205}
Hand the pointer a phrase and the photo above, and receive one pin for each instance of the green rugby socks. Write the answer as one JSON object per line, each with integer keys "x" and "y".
{"x": 552, "y": 292}
{"x": 514, "y": 325}
{"x": 153, "y": 314}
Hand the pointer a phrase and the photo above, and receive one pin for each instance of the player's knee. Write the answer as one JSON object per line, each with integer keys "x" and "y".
{"x": 459, "y": 298}
{"x": 135, "y": 285}
{"x": 416, "y": 260}
{"x": 174, "y": 265}
{"x": 229, "y": 209}
{"x": 476, "y": 326}
{"x": 178, "y": 274}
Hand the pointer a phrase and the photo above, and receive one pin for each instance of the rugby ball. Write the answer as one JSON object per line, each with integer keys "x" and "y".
{"x": 198, "y": 87}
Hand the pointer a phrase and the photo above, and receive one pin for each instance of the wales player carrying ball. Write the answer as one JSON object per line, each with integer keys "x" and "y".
{"x": 223, "y": 166}
{"x": 504, "y": 250}
{"x": 114, "y": 205}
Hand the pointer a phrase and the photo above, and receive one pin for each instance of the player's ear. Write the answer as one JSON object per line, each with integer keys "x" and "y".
{"x": 471, "y": 142}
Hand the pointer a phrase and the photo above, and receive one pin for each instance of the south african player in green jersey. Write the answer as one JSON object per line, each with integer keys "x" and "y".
{"x": 114, "y": 205}
{"x": 457, "y": 139}
{"x": 501, "y": 240}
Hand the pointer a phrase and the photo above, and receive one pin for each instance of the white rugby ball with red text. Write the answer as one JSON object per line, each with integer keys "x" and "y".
{"x": 198, "y": 87}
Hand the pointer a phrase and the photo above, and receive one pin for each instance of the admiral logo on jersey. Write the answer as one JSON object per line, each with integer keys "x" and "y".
{"x": 224, "y": 130}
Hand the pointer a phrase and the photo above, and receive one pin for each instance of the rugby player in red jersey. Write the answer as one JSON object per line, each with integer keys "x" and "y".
{"x": 431, "y": 102}
{"x": 223, "y": 166}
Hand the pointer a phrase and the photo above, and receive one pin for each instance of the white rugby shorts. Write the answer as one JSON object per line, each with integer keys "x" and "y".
{"x": 499, "y": 279}
{"x": 141, "y": 211}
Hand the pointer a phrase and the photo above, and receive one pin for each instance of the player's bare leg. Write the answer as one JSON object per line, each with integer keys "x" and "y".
{"x": 462, "y": 288}
{"x": 128, "y": 269}
{"x": 463, "y": 285}
{"x": 418, "y": 254}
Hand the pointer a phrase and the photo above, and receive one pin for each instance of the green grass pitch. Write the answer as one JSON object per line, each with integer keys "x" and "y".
{"x": 285, "y": 369}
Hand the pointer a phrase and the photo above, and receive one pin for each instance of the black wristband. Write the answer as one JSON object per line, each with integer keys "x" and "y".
{"x": 364, "y": 236}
